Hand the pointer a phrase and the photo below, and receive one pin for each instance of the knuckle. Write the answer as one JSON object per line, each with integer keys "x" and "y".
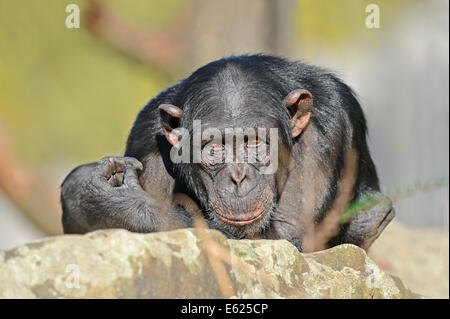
{"x": 133, "y": 162}
{"x": 106, "y": 161}
{"x": 107, "y": 158}
{"x": 112, "y": 159}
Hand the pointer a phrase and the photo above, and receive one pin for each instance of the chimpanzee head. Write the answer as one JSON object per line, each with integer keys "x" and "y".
{"x": 229, "y": 120}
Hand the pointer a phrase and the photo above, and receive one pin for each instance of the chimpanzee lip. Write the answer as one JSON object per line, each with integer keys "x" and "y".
{"x": 240, "y": 221}
{"x": 244, "y": 218}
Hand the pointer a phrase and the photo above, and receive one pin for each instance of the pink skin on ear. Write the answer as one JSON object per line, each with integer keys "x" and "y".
{"x": 300, "y": 124}
{"x": 170, "y": 115}
{"x": 172, "y": 137}
{"x": 299, "y": 102}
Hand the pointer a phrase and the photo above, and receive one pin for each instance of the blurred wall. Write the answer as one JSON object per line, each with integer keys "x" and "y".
{"x": 404, "y": 86}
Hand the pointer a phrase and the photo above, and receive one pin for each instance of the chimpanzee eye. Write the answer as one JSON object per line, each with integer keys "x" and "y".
{"x": 253, "y": 143}
{"x": 213, "y": 154}
{"x": 256, "y": 150}
{"x": 215, "y": 148}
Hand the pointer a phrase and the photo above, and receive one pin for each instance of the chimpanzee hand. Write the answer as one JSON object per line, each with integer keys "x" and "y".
{"x": 365, "y": 227}
{"x": 113, "y": 198}
{"x": 118, "y": 171}
{"x": 107, "y": 194}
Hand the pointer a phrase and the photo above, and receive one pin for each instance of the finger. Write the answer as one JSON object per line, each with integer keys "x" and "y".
{"x": 105, "y": 168}
{"x": 112, "y": 167}
{"x": 134, "y": 163}
{"x": 130, "y": 177}
{"x": 117, "y": 163}
{"x": 116, "y": 180}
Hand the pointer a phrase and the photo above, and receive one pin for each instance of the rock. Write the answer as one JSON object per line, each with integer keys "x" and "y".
{"x": 188, "y": 263}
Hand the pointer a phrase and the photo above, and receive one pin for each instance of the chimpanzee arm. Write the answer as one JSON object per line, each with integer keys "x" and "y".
{"x": 107, "y": 194}
{"x": 377, "y": 210}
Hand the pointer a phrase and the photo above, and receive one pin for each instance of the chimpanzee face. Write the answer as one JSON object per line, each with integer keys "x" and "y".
{"x": 238, "y": 171}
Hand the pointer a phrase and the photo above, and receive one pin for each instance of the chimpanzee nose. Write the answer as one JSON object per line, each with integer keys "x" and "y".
{"x": 238, "y": 173}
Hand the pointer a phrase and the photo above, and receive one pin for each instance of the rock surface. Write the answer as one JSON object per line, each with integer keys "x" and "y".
{"x": 190, "y": 263}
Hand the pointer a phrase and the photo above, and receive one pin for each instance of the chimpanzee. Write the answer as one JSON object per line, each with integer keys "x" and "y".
{"x": 317, "y": 119}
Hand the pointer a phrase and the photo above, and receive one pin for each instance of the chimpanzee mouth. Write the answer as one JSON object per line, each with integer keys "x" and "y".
{"x": 243, "y": 218}
{"x": 241, "y": 221}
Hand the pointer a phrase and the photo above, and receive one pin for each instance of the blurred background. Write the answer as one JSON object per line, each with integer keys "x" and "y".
{"x": 70, "y": 96}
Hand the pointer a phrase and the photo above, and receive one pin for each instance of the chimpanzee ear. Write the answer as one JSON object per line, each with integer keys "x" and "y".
{"x": 299, "y": 103}
{"x": 170, "y": 121}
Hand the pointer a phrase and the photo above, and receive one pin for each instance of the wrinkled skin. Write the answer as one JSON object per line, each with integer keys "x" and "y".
{"x": 240, "y": 198}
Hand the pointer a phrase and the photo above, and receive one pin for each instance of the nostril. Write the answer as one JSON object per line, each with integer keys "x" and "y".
{"x": 238, "y": 173}
{"x": 237, "y": 179}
